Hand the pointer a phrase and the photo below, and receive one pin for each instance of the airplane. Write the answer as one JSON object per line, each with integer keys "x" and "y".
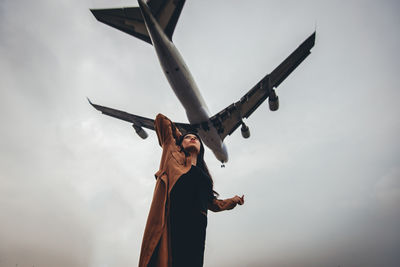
{"x": 154, "y": 21}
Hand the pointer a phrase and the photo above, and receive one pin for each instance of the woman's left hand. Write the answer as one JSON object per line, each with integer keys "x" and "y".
{"x": 238, "y": 200}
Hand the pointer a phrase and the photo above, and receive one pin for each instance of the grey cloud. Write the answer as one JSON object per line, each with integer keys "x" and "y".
{"x": 320, "y": 176}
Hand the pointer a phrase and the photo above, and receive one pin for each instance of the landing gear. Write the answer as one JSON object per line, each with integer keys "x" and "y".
{"x": 222, "y": 165}
{"x": 245, "y": 130}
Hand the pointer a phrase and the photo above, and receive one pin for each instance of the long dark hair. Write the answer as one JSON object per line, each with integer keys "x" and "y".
{"x": 201, "y": 164}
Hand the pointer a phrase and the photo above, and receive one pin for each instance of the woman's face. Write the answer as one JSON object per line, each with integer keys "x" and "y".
{"x": 191, "y": 143}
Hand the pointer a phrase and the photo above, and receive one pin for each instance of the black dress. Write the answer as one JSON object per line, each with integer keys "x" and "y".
{"x": 188, "y": 217}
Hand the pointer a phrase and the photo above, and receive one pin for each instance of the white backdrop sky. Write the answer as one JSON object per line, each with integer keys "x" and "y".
{"x": 321, "y": 176}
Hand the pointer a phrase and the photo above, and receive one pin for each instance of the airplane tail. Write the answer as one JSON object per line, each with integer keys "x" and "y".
{"x": 130, "y": 19}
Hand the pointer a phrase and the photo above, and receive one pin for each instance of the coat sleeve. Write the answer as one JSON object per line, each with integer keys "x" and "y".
{"x": 220, "y": 205}
{"x": 166, "y": 130}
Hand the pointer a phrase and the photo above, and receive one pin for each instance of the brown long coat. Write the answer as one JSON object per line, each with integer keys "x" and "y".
{"x": 156, "y": 239}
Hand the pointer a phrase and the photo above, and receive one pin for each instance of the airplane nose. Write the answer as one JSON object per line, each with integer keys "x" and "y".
{"x": 222, "y": 154}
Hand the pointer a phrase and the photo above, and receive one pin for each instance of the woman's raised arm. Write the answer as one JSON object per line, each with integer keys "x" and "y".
{"x": 166, "y": 130}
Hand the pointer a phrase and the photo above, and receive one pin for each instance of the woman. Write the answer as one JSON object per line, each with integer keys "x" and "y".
{"x": 175, "y": 228}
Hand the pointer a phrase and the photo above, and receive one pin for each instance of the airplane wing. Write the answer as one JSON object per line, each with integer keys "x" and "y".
{"x": 139, "y": 121}
{"x": 130, "y": 20}
{"x": 229, "y": 119}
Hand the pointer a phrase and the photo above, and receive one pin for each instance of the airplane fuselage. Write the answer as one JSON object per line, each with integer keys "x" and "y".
{"x": 182, "y": 83}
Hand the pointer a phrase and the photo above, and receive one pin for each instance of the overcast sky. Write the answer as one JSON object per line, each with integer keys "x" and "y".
{"x": 321, "y": 176}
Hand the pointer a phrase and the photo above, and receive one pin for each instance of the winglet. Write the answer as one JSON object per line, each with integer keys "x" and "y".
{"x": 315, "y": 26}
{"x": 90, "y": 102}
{"x": 93, "y": 105}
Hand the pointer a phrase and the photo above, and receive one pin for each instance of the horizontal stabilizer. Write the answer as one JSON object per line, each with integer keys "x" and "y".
{"x": 167, "y": 13}
{"x": 128, "y": 20}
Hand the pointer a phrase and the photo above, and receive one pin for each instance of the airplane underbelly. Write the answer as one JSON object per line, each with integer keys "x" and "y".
{"x": 182, "y": 82}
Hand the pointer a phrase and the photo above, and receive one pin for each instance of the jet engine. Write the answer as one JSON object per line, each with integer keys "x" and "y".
{"x": 273, "y": 101}
{"x": 245, "y": 131}
{"x": 140, "y": 131}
